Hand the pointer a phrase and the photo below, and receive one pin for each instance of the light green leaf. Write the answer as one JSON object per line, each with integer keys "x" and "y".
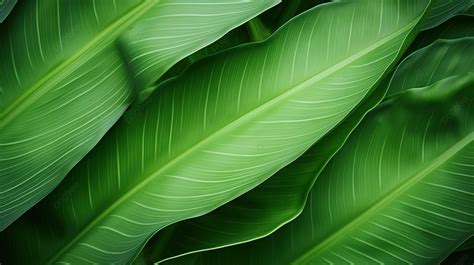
{"x": 64, "y": 80}
{"x": 399, "y": 191}
{"x": 443, "y": 10}
{"x": 264, "y": 209}
{"x": 220, "y": 129}
{"x": 6, "y": 6}
{"x": 443, "y": 58}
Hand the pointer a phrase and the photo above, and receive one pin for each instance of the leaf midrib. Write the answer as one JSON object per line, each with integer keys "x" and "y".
{"x": 392, "y": 196}
{"x": 234, "y": 124}
{"x": 106, "y": 36}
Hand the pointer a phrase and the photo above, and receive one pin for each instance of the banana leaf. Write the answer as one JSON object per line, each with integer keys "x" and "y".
{"x": 457, "y": 27}
{"x": 445, "y": 9}
{"x": 70, "y": 69}
{"x": 442, "y": 59}
{"x": 400, "y": 190}
{"x": 263, "y": 210}
{"x": 220, "y": 129}
{"x": 277, "y": 201}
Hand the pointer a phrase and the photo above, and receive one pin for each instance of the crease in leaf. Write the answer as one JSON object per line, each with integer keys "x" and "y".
{"x": 394, "y": 179}
{"x": 65, "y": 82}
{"x": 269, "y": 206}
{"x": 443, "y": 10}
{"x": 6, "y": 6}
{"x": 446, "y": 57}
{"x": 109, "y": 222}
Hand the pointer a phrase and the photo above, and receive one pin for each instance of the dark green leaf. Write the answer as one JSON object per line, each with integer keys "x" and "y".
{"x": 443, "y": 58}
{"x": 443, "y": 10}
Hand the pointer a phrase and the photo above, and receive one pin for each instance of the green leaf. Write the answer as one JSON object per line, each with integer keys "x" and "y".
{"x": 227, "y": 226}
{"x": 457, "y": 27}
{"x": 235, "y": 37}
{"x": 220, "y": 129}
{"x": 6, "y": 6}
{"x": 399, "y": 191}
{"x": 468, "y": 244}
{"x": 264, "y": 209}
{"x": 288, "y": 9}
{"x": 64, "y": 80}
{"x": 444, "y": 58}
{"x": 469, "y": 10}
{"x": 443, "y": 10}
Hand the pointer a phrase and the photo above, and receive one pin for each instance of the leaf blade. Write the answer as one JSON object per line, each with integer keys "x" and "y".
{"x": 164, "y": 168}
{"x": 435, "y": 124}
{"x": 75, "y": 82}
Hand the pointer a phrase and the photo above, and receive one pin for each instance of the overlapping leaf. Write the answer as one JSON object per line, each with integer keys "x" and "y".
{"x": 457, "y": 27}
{"x": 262, "y": 210}
{"x": 443, "y": 58}
{"x": 222, "y": 128}
{"x": 456, "y": 49}
{"x": 443, "y": 10}
{"x": 64, "y": 80}
{"x": 276, "y": 201}
{"x": 6, "y": 6}
{"x": 404, "y": 189}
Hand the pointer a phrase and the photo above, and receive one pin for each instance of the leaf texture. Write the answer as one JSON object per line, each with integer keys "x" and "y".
{"x": 455, "y": 28}
{"x": 6, "y": 6}
{"x": 248, "y": 116}
{"x": 398, "y": 192}
{"x": 65, "y": 79}
{"x": 444, "y": 58}
{"x": 264, "y": 209}
{"x": 442, "y": 10}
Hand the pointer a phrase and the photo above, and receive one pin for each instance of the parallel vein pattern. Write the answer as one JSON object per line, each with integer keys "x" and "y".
{"x": 442, "y": 10}
{"x": 222, "y": 128}
{"x": 400, "y": 191}
{"x": 6, "y": 7}
{"x": 444, "y": 58}
{"x": 65, "y": 79}
{"x": 262, "y": 210}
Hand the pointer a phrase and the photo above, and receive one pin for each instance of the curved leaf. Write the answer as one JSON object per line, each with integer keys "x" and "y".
{"x": 245, "y": 125}
{"x": 64, "y": 82}
{"x": 6, "y": 6}
{"x": 398, "y": 192}
{"x": 408, "y": 69}
{"x": 444, "y": 58}
{"x": 457, "y": 27}
{"x": 275, "y": 202}
{"x": 264, "y": 209}
{"x": 443, "y": 10}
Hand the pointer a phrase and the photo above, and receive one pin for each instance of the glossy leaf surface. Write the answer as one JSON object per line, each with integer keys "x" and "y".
{"x": 455, "y": 28}
{"x": 443, "y": 58}
{"x": 69, "y": 70}
{"x": 264, "y": 209}
{"x": 217, "y": 131}
{"x": 403, "y": 183}
{"x": 442, "y": 10}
